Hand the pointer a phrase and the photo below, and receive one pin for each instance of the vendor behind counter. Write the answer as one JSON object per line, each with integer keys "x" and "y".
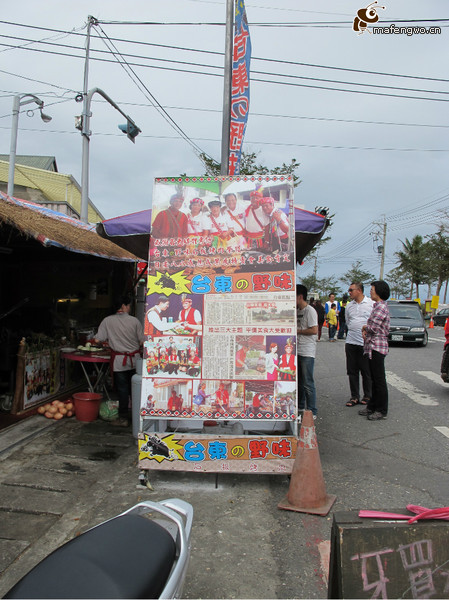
{"x": 124, "y": 334}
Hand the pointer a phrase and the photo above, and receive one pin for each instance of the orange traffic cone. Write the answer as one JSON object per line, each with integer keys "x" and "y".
{"x": 307, "y": 491}
{"x": 431, "y": 324}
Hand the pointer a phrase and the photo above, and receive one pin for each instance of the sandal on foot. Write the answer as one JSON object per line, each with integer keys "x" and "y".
{"x": 353, "y": 402}
{"x": 364, "y": 400}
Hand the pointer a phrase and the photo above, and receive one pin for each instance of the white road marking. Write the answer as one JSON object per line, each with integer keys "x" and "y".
{"x": 432, "y": 339}
{"x": 435, "y": 377}
{"x": 410, "y": 390}
{"x": 443, "y": 430}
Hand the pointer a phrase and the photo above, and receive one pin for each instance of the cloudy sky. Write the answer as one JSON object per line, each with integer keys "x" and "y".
{"x": 365, "y": 115}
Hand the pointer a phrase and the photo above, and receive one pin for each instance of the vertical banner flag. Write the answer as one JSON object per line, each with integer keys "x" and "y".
{"x": 240, "y": 87}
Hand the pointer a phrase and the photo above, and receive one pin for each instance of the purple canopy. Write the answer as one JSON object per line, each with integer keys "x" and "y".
{"x": 132, "y": 231}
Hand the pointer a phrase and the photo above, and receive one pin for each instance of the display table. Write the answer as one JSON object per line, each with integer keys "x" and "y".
{"x": 100, "y": 361}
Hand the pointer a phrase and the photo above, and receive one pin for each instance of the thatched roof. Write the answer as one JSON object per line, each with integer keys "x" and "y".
{"x": 55, "y": 229}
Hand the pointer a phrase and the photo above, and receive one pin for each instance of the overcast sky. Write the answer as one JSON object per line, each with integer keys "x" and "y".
{"x": 366, "y": 156}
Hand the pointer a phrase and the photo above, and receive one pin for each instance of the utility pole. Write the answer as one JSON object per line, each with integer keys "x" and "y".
{"x": 384, "y": 241}
{"x": 315, "y": 270}
{"x": 227, "y": 88}
{"x": 381, "y": 248}
{"x": 85, "y": 132}
{"x": 83, "y": 124}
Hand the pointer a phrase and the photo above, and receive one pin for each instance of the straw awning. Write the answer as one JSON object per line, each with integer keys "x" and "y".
{"x": 51, "y": 228}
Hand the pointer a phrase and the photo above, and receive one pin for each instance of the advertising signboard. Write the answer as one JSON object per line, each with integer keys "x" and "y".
{"x": 220, "y": 320}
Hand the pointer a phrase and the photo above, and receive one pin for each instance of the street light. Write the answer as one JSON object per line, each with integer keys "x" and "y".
{"x": 82, "y": 123}
{"x": 20, "y": 100}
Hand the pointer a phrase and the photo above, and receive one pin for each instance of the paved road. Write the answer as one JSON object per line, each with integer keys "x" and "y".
{"x": 71, "y": 476}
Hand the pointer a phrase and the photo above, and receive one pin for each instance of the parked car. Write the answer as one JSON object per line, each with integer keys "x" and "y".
{"x": 440, "y": 317}
{"x": 407, "y": 322}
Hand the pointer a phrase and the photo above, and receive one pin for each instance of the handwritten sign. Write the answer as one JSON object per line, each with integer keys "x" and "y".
{"x": 388, "y": 559}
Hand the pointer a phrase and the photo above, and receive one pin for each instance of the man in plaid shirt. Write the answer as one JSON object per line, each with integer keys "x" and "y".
{"x": 375, "y": 335}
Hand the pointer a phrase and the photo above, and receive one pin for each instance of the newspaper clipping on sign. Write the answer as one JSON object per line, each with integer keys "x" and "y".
{"x": 220, "y": 328}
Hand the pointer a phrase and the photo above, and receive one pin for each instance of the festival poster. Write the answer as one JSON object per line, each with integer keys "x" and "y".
{"x": 220, "y": 322}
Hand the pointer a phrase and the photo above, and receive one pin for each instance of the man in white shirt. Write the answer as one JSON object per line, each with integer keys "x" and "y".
{"x": 216, "y": 224}
{"x": 357, "y": 313}
{"x": 255, "y": 221}
{"x": 330, "y": 302}
{"x": 276, "y": 232}
{"x": 307, "y": 330}
{"x": 235, "y": 214}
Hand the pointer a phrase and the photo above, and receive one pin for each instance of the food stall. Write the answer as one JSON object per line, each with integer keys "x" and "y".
{"x": 57, "y": 281}
{"x": 218, "y": 388}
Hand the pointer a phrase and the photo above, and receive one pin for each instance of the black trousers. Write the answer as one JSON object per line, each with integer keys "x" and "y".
{"x": 358, "y": 364}
{"x": 122, "y": 383}
{"x": 379, "y": 398}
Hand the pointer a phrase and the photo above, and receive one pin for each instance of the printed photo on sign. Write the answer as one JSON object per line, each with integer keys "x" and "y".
{"x": 213, "y": 398}
{"x": 250, "y": 356}
{"x": 177, "y": 356}
{"x": 181, "y": 315}
{"x": 222, "y": 224}
{"x": 285, "y": 398}
{"x": 166, "y": 397}
{"x": 287, "y": 361}
{"x": 259, "y": 398}
{"x": 275, "y": 348}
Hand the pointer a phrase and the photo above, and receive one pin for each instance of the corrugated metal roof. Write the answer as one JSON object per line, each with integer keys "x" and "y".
{"x": 57, "y": 187}
{"x": 48, "y": 163}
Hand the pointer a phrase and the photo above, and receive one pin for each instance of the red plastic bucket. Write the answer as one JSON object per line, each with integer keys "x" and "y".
{"x": 87, "y": 406}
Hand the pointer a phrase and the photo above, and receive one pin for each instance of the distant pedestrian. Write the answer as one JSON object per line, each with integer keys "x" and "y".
{"x": 332, "y": 321}
{"x": 375, "y": 335}
{"x": 357, "y": 313}
{"x": 329, "y": 303}
{"x": 321, "y": 316}
{"x": 342, "y": 329}
{"x": 307, "y": 330}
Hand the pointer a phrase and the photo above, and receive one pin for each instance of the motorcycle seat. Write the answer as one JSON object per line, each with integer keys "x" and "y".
{"x": 129, "y": 556}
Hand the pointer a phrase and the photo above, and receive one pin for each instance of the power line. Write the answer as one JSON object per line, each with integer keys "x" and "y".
{"x": 312, "y": 24}
{"x": 253, "y": 114}
{"x": 288, "y": 83}
{"x": 253, "y": 71}
{"x": 221, "y": 54}
{"x": 249, "y": 142}
{"x": 143, "y": 88}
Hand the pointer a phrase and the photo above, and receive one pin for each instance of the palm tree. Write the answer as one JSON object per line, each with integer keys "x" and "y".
{"x": 412, "y": 259}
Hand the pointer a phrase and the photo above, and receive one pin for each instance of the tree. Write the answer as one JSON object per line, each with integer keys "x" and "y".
{"x": 399, "y": 282}
{"x": 437, "y": 248}
{"x": 357, "y": 273}
{"x": 249, "y": 166}
{"x": 324, "y": 286}
{"x": 412, "y": 261}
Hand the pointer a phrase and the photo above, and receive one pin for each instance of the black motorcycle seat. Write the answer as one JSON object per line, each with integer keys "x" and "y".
{"x": 127, "y": 557}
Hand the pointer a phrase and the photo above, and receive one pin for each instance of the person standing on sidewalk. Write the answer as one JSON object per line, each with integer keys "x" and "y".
{"x": 124, "y": 334}
{"x": 357, "y": 313}
{"x": 307, "y": 330}
{"x": 320, "y": 312}
{"x": 342, "y": 329}
{"x": 332, "y": 321}
{"x": 375, "y": 335}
